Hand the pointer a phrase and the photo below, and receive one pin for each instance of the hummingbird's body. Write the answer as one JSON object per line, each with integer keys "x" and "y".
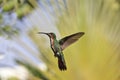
{"x": 55, "y": 46}
{"x": 59, "y": 46}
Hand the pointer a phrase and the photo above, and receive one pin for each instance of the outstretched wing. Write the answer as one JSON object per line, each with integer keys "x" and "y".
{"x": 66, "y": 41}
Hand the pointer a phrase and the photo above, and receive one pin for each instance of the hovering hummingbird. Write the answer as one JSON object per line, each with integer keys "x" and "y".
{"x": 58, "y": 46}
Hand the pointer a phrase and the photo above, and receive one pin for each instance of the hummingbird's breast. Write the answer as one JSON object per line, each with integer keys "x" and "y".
{"x": 55, "y": 46}
{"x": 51, "y": 41}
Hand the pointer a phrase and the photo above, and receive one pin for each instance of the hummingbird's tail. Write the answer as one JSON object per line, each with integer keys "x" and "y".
{"x": 61, "y": 63}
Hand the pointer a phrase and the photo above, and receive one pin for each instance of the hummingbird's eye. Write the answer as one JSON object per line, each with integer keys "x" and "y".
{"x": 51, "y": 33}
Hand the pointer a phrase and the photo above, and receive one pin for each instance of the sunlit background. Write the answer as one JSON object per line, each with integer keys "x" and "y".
{"x": 26, "y": 55}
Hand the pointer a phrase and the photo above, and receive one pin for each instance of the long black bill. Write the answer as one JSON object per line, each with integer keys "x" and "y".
{"x": 43, "y": 33}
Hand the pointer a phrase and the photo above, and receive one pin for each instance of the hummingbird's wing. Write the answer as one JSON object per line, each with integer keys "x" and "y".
{"x": 68, "y": 40}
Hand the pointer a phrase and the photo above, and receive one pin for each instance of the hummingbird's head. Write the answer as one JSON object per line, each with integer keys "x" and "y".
{"x": 51, "y": 35}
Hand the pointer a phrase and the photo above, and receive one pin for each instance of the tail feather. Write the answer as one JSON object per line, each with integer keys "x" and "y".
{"x": 61, "y": 63}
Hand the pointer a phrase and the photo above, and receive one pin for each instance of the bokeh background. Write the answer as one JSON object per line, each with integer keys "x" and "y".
{"x": 26, "y": 55}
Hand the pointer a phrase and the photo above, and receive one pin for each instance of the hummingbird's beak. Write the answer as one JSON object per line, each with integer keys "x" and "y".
{"x": 43, "y": 33}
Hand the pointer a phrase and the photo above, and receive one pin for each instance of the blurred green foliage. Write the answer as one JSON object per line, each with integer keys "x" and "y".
{"x": 8, "y": 6}
{"x": 24, "y": 10}
{"x": 21, "y": 7}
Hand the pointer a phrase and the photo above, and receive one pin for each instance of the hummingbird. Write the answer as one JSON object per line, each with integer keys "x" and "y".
{"x": 58, "y": 46}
